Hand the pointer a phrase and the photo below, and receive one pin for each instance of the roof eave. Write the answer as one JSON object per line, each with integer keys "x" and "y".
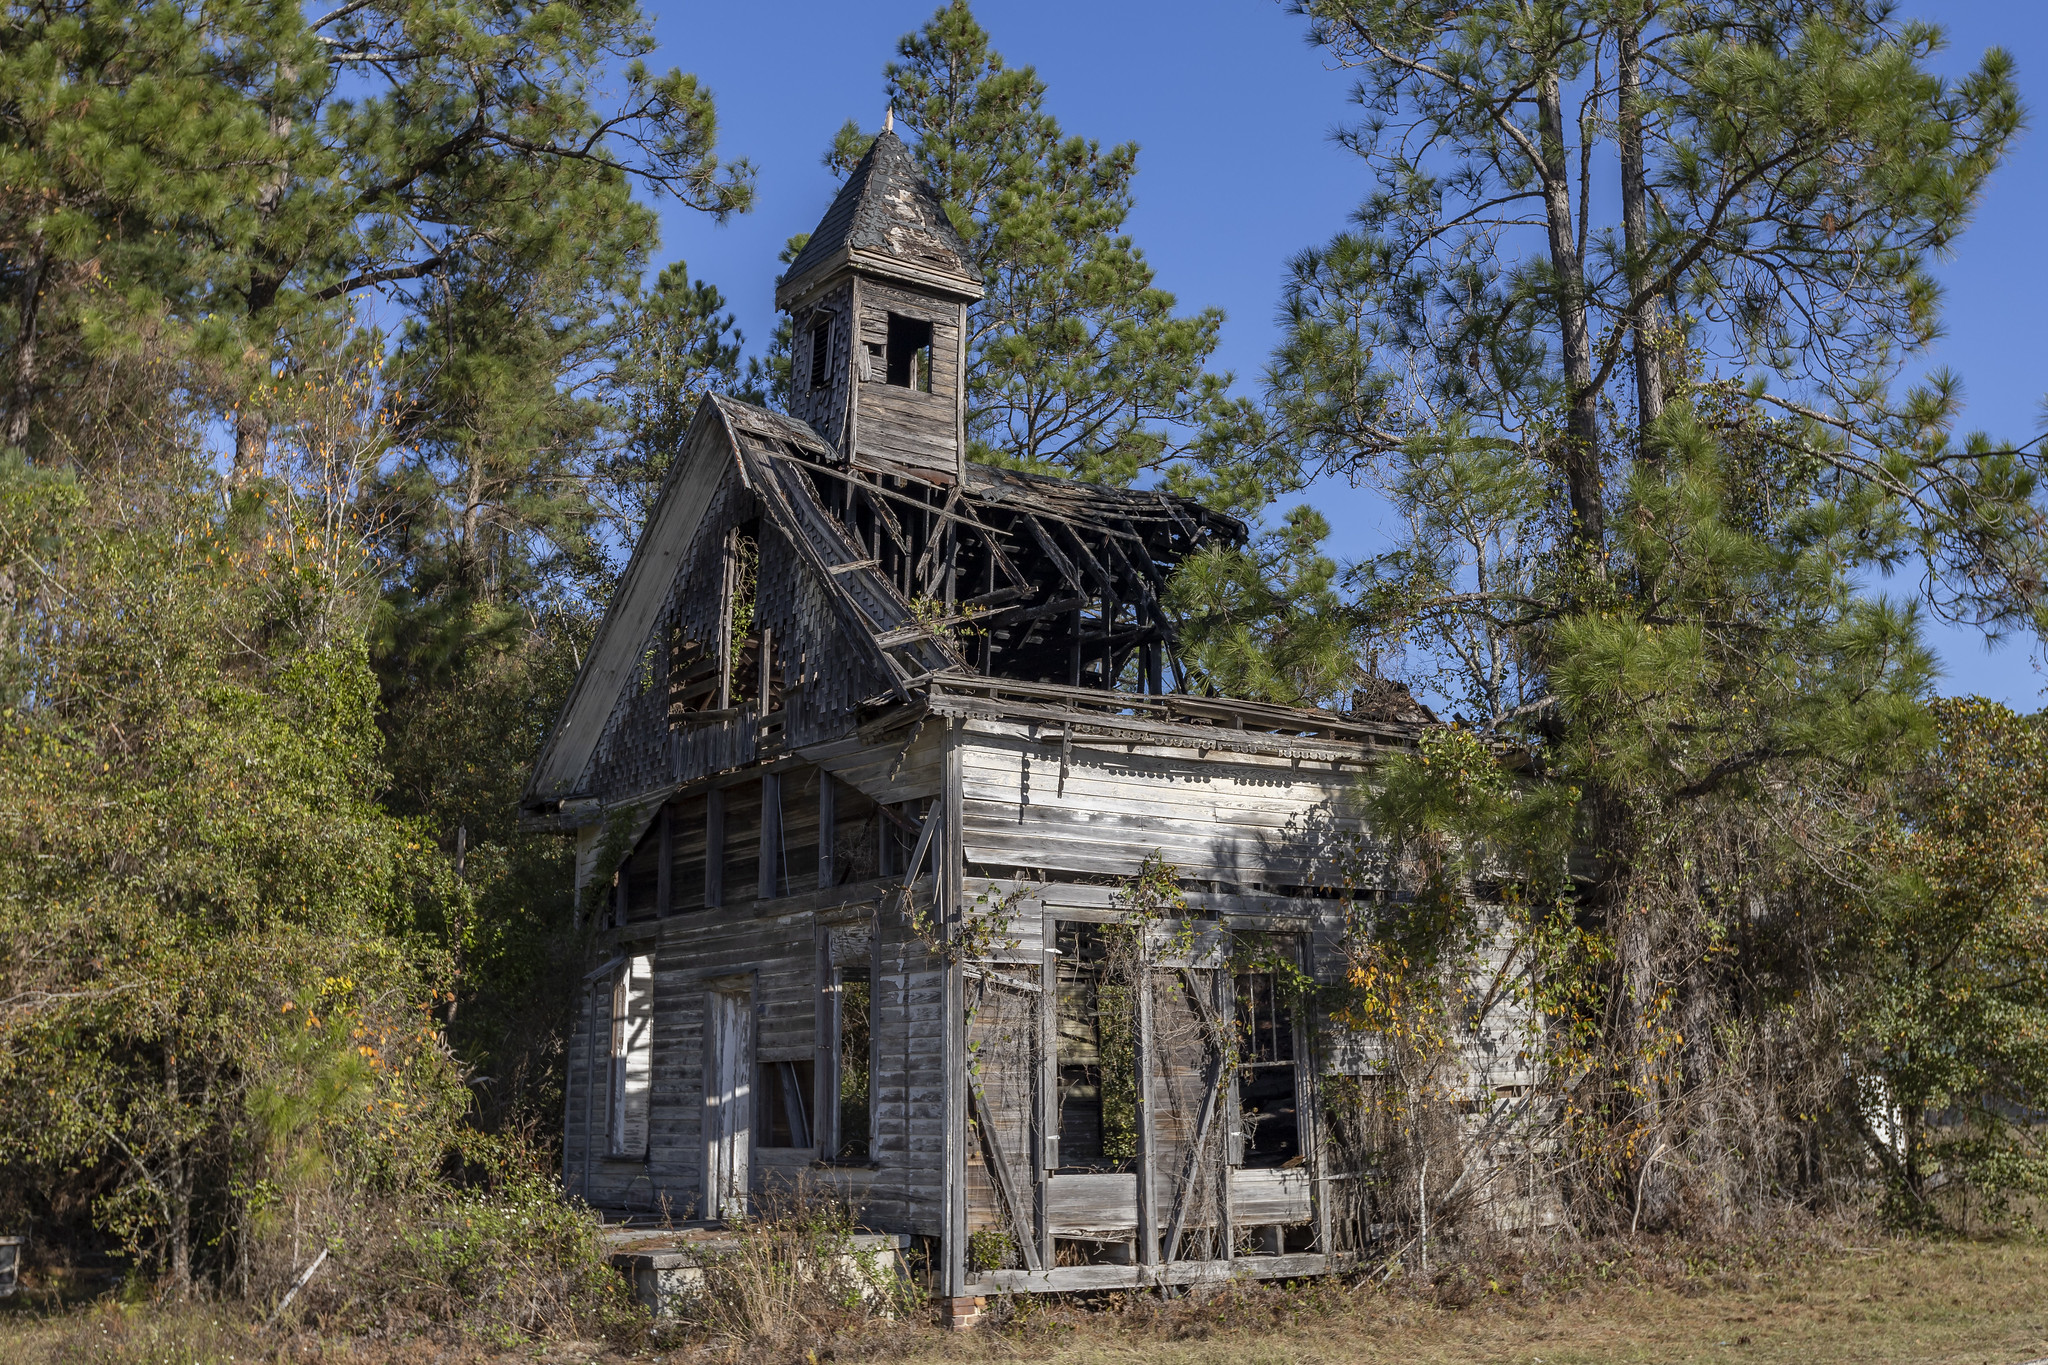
{"x": 796, "y": 288}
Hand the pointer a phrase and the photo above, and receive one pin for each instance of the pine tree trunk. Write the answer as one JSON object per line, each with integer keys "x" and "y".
{"x": 1646, "y": 316}
{"x": 177, "y": 1181}
{"x": 21, "y": 390}
{"x": 473, "y": 508}
{"x": 252, "y": 420}
{"x": 1582, "y": 422}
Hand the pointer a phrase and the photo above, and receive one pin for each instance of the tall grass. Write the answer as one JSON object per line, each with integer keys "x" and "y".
{"x": 794, "y": 1275}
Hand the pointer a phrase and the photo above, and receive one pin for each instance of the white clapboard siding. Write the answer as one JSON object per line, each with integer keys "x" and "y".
{"x": 1222, "y": 819}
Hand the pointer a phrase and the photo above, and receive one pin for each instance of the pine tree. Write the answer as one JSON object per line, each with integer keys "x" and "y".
{"x": 1270, "y": 622}
{"x": 1077, "y": 361}
{"x": 681, "y": 343}
{"x": 394, "y": 251}
{"x": 250, "y": 174}
{"x": 1645, "y": 464}
{"x": 1784, "y": 172}
{"x": 133, "y": 156}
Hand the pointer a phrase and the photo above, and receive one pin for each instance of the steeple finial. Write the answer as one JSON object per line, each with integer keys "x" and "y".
{"x": 889, "y": 120}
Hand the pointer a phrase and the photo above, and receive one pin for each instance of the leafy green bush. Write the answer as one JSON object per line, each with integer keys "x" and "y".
{"x": 518, "y": 1259}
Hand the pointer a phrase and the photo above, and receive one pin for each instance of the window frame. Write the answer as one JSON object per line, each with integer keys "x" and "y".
{"x": 628, "y": 1045}
{"x": 909, "y": 338}
{"x": 864, "y": 971}
{"x": 1299, "y": 1064}
{"x": 821, "y": 351}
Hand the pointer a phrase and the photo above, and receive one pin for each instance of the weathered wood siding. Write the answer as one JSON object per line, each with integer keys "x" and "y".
{"x": 769, "y": 834}
{"x": 1094, "y": 810}
{"x": 825, "y": 407}
{"x": 769, "y": 947}
{"x": 901, "y": 430}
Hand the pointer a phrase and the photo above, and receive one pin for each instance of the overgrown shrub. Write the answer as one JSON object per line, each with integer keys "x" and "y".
{"x": 517, "y": 1258}
{"x": 498, "y": 1265}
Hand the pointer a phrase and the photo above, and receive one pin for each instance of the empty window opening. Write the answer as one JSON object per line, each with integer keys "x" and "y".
{"x": 1096, "y": 1054}
{"x": 821, "y": 352}
{"x": 751, "y": 676}
{"x": 771, "y": 876}
{"x": 853, "y": 1053}
{"x": 856, "y": 836}
{"x": 910, "y": 353}
{"x": 1267, "y": 1072}
{"x": 797, "y": 821}
{"x": 631, "y": 1057}
{"x": 714, "y": 847}
{"x": 695, "y": 677}
{"x": 640, "y": 878}
{"x": 898, "y": 830}
{"x": 742, "y": 587}
{"x": 785, "y": 1089}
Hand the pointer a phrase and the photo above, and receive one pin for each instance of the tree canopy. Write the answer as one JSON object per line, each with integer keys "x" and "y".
{"x": 1077, "y": 362}
{"x": 1619, "y": 335}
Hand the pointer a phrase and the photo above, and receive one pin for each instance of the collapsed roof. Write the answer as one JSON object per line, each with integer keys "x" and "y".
{"x": 1007, "y": 574}
{"x": 939, "y": 573}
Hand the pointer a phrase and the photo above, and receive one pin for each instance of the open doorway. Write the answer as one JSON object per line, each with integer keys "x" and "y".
{"x": 728, "y": 1101}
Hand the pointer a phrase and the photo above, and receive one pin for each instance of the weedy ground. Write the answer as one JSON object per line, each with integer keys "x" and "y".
{"x": 1955, "y": 1302}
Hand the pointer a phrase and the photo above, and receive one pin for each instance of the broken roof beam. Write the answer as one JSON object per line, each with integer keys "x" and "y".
{"x": 1022, "y": 612}
{"x": 884, "y": 517}
{"x": 1102, "y": 575}
{"x": 1143, "y": 563}
{"x": 990, "y": 541}
{"x": 1186, "y": 710}
{"x": 960, "y": 515}
{"x": 1149, "y": 598}
{"x": 932, "y": 562}
{"x": 1053, "y": 552}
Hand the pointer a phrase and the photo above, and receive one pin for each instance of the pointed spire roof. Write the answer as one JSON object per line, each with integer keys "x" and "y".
{"x": 886, "y": 221}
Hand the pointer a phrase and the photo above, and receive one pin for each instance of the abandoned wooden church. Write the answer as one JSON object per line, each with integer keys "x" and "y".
{"x": 885, "y": 764}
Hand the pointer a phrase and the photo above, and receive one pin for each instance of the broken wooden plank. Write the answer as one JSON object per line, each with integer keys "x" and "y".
{"x": 1086, "y": 1278}
{"x": 1053, "y": 552}
{"x": 1147, "y": 1118}
{"x": 1198, "y": 1150}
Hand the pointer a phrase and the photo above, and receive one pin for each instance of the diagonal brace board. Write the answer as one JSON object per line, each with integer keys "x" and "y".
{"x": 999, "y": 1168}
{"x": 1191, "y": 1170}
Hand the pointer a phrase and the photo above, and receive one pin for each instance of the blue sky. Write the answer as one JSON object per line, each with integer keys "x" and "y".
{"x": 1232, "y": 111}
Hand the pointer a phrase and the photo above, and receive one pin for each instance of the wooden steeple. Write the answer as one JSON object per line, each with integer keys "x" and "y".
{"x": 878, "y": 300}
